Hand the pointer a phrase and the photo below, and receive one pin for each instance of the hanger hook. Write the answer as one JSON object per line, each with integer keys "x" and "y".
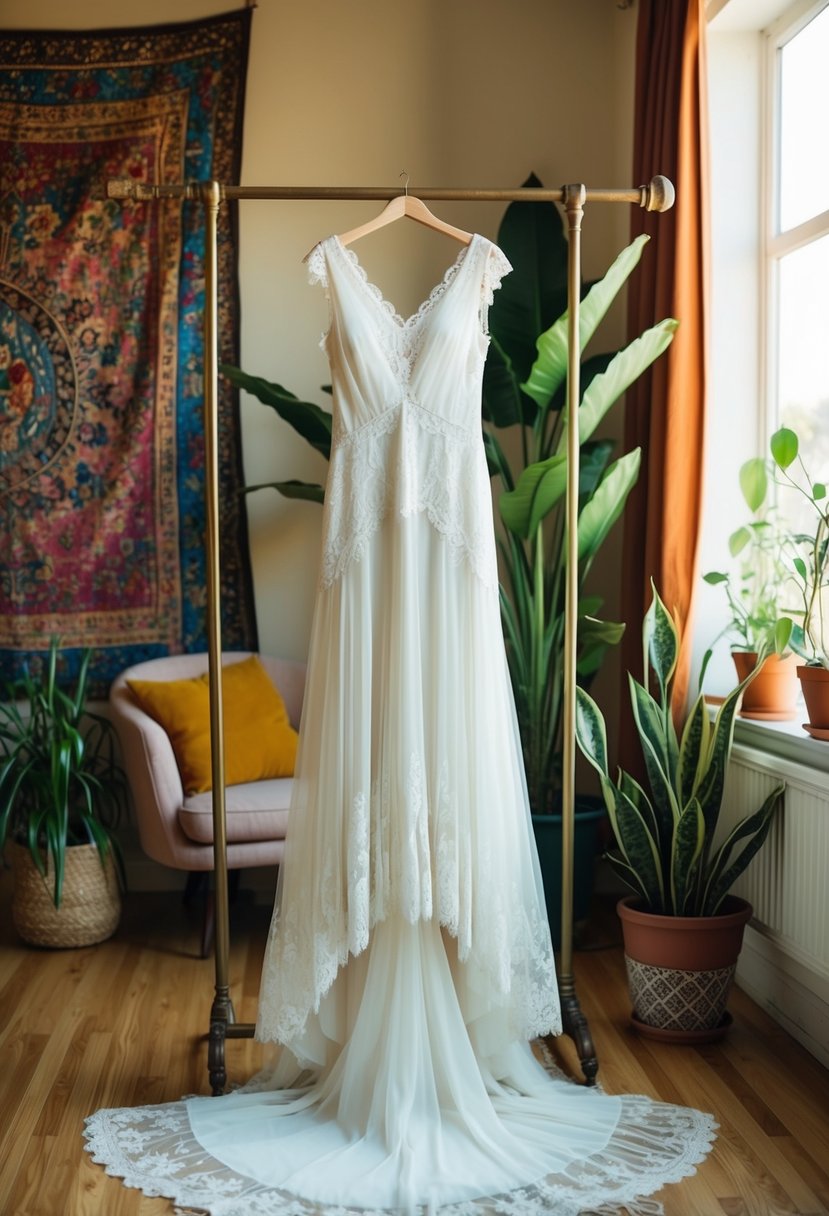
{"x": 403, "y": 173}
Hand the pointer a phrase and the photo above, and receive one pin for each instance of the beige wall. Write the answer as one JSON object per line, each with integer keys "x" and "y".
{"x": 351, "y": 92}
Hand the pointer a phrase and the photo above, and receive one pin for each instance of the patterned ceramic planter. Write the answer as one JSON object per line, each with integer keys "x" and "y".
{"x": 680, "y": 969}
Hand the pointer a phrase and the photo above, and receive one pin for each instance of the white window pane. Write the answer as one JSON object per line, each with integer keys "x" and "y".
{"x": 804, "y": 123}
{"x": 803, "y": 363}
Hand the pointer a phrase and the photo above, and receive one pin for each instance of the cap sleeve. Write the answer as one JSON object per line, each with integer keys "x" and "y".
{"x": 496, "y": 267}
{"x": 317, "y": 270}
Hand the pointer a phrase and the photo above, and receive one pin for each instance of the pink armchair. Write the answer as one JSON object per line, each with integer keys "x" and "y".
{"x": 176, "y": 829}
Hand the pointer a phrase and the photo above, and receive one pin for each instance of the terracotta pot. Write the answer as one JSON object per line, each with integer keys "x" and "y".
{"x": 773, "y": 691}
{"x": 680, "y": 968}
{"x": 815, "y": 684}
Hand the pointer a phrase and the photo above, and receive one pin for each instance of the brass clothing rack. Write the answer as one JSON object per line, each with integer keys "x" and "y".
{"x": 658, "y": 195}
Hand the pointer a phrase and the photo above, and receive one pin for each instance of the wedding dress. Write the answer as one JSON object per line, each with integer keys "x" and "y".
{"x": 409, "y": 962}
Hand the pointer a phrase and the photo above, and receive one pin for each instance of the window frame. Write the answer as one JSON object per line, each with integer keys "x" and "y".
{"x": 775, "y": 242}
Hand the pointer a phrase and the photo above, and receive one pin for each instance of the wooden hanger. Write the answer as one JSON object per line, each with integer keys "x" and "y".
{"x": 397, "y": 209}
{"x": 405, "y": 205}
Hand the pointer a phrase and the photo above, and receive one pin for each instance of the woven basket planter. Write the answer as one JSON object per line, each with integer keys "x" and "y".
{"x": 90, "y": 907}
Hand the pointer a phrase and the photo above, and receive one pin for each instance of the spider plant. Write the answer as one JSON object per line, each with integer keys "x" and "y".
{"x": 60, "y": 784}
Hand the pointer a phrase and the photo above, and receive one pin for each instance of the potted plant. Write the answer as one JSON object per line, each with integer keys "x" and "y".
{"x": 524, "y": 382}
{"x": 61, "y": 793}
{"x": 810, "y": 638}
{"x": 682, "y": 928}
{"x": 524, "y": 398}
{"x": 755, "y": 596}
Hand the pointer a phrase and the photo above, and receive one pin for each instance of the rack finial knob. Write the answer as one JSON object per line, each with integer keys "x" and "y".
{"x": 658, "y": 195}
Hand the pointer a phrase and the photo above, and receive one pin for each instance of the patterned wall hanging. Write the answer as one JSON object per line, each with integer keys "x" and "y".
{"x": 102, "y": 516}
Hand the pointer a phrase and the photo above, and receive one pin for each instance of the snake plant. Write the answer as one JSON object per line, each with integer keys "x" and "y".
{"x": 665, "y": 837}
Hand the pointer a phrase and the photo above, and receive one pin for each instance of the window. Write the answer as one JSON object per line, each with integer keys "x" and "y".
{"x": 797, "y": 252}
{"x": 768, "y": 89}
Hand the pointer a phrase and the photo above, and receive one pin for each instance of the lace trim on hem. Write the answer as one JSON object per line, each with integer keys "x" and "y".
{"x": 528, "y": 975}
{"x": 654, "y": 1145}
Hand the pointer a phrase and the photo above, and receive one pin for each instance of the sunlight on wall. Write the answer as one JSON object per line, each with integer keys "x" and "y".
{"x": 469, "y": 93}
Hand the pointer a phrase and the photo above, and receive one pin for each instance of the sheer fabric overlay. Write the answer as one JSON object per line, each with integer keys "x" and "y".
{"x": 409, "y": 960}
{"x": 410, "y": 800}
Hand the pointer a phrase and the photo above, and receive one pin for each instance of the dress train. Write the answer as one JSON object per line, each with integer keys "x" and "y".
{"x": 425, "y": 1108}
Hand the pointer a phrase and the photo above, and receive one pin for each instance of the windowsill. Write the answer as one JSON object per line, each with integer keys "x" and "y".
{"x": 787, "y": 740}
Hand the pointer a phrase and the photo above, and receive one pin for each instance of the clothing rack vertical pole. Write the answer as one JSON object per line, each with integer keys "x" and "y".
{"x": 658, "y": 195}
{"x": 574, "y": 1021}
{"x": 221, "y": 1012}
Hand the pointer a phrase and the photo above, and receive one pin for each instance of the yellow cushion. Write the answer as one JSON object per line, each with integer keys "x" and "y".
{"x": 259, "y": 739}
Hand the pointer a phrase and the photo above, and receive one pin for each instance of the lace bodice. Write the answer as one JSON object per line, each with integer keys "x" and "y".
{"x": 407, "y": 394}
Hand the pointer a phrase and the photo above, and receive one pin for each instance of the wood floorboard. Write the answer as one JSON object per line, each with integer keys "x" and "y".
{"x": 124, "y": 1023}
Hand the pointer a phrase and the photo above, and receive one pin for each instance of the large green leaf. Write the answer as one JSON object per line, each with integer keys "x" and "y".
{"x": 541, "y": 486}
{"x": 738, "y": 540}
{"x": 650, "y": 725}
{"x": 633, "y": 790}
{"x": 591, "y": 735}
{"x": 538, "y": 489}
{"x": 496, "y": 460}
{"x": 535, "y": 293}
{"x": 600, "y": 513}
{"x": 592, "y": 630}
{"x": 661, "y": 642}
{"x": 754, "y": 828}
{"x": 593, "y": 458}
{"x": 503, "y": 402}
{"x": 625, "y": 367}
{"x": 711, "y": 783}
{"x": 626, "y": 873}
{"x": 693, "y": 749}
{"x": 306, "y": 490}
{"x": 307, "y": 419}
{"x": 754, "y": 482}
{"x": 686, "y": 849}
{"x": 549, "y": 368}
{"x": 784, "y": 446}
{"x": 637, "y": 845}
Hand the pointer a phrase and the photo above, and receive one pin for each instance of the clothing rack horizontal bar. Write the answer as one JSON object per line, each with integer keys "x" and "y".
{"x": 658, "y": 195}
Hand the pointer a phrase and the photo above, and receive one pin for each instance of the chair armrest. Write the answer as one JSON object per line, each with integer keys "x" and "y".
{"x": 155, "y": 782}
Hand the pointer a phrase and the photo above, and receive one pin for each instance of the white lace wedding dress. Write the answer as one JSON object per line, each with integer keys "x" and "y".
{"x": 409, "y": 961}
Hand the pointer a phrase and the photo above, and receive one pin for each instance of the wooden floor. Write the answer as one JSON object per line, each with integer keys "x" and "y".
{"x": 122, "y": 1024}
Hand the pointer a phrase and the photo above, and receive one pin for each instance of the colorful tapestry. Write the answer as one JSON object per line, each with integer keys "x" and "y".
{"x": 102, "y": 515}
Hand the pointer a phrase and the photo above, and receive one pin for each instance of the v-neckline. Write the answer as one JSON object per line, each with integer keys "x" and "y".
{"x": 400, "y": 322}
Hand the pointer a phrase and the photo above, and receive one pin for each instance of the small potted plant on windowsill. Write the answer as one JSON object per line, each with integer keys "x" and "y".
{"x": 756, "y": 595}
{"x": 810, "y": 638}
{"x": 682, "y": 928}
{"x": 61, "y": 794}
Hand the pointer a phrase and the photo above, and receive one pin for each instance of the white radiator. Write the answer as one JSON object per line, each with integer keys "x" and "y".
{"x": 784, "y": 964}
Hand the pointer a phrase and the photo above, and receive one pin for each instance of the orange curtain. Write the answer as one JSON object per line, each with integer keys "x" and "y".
{"x": 664, "y": 411}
